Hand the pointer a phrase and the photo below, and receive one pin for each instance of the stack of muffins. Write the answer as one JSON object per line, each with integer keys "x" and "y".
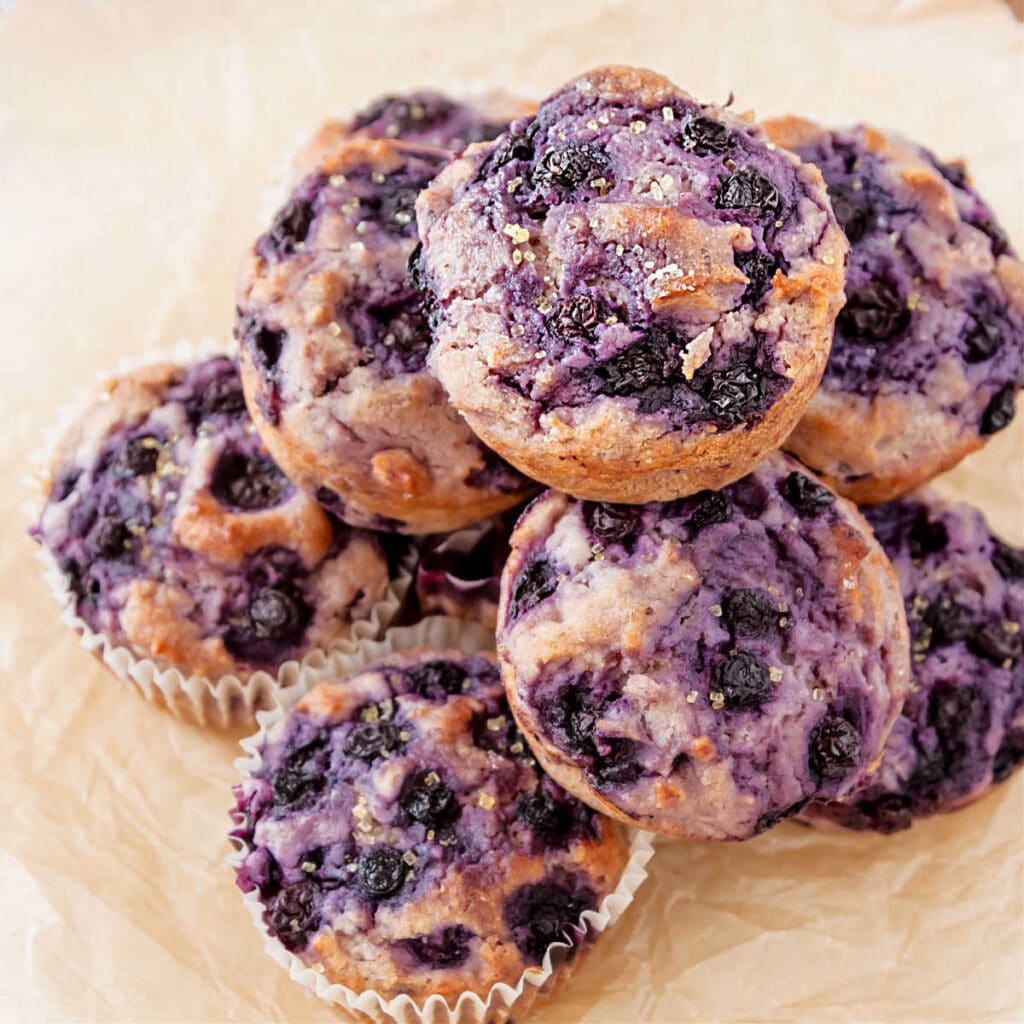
{"x": 636, "y": 301}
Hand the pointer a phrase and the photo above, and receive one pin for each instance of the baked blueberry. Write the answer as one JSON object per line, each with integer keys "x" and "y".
{"x": 928, "y": 351}
{"x": 706, "y": 683}
{"x": 184, "y": 542}
{"x": 960, "y": 730}
{"x": 441, "y": 864}
{"x": 635, "y": 294}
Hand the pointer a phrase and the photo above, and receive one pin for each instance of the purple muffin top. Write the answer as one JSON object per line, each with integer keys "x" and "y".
{"x": 400, "y": 834}
{"x": 334, "y": 344}
{"x": 431, "y": 118}
{"x": 962, "y": 727}
{"x": 629, "y": 242}
{"x": 704, "y": 667}
{"x": 932, "y": 289}
{"x": 180, "y": 538}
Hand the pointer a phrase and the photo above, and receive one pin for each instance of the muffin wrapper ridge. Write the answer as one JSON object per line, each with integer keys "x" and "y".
{"x": 223, "y": 701}
{"x": 439, "y": 633}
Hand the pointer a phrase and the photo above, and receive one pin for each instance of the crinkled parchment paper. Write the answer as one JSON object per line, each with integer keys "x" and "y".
{"x": 135, "y": 138}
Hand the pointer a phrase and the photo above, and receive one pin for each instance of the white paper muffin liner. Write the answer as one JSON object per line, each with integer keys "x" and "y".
{"x": 437, "y": 633}
{"x": 220, "y": 701}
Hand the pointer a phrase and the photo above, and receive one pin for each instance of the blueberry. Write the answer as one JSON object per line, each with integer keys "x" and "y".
{"x": 957, "y": 713}
{"x": 576, "y": 318}
{"x": 368, "y": 740}
{"x": 295, "y": 914}
{"x": 873, "y": 312}
{"x": 65, "y": 484}
{"x": 1008, "y": 561}
{"x": 570, "y": 166}
{"x": 381, "y": 872}
{"x": 247, "y": 482}
{"x": 109, "y": 538}
{"x": 742, "y": 679}
{"x": 994, "y": 642}
{"x": 712, "y": 507}
{"x": 805, "y": 495}
{"x": 833, "y": 749}
{"x": 402, "y": 115}
{"x": 138, "y": 457}
{"x": 446, "y": 947}
{"x": 544, "y": 815}
{"x": 927, "y": 537}
{"x": 398, "y": 211}
{"x": 221, "y": 397}
{"x": 278, "y": 613}
{"x": 617, "y": 767}
{"x": 611, "y": 523}
{"x": 983, "y": 341}
{"x": 759, "y": 268}
{"x": 535, "y": 583}
{"x": 429, "y": 802}
{"x": 996, "y": 235}
{"x": 750, "y": 613}
{"x": 436, "y": 680}
{"x": 265, "y": 345}
{"x": 513, "y": 146}
{"x": 747, "y": 188}
{"x": 419, "y": 280}
{"x": 1010, "y": 755}
{"x": 301, "y": 776}
{"x": 853, "y": 211}
{"x": 949, "y": 620}
{"x": 290, "y": 227}
{"x": 645, "y": 365}
{"x": 772, "y": 818}
{"x": 735, "y": 394}
{"x": 703, "y": 135}
{"x": 999, "y": 412}
{"x": 954, "y": 172}
{"x": 543, "y": 913}
{"x": 887, "y": 814}
{"x": 571, "y": 719}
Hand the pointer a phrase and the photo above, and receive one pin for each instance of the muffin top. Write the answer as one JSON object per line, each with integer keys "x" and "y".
{"x": 627, "y": 247}
{"x": 334, "y": 344}
{"x": 934, "y": 317}
{"x": 181, "y": 539}
{"x": 962, "y": 727}
{"x": 704, "y": 667}
{"x": 401, "y": 835}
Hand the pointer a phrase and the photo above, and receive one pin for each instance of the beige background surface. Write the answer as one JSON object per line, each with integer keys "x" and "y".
{"x": 134, "y": 141}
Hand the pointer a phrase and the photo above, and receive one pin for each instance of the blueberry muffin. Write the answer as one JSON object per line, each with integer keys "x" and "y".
{"x": 704, "y": 667}
{"x": 458, "y": 574}
{"x": 928, "y": 352}
{"x": 402, "y": 838}
{"x": 962, "y": 727}
{"x": 425, "y": 116}
{"x": 181, "y": 540}
{"x": 634, "y": 293}
{"x": 333, "y": 350}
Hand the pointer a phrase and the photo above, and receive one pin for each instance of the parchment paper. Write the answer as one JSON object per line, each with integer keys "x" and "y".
{"x": 134, "y": 141}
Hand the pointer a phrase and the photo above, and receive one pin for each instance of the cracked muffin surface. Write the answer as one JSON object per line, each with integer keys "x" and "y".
{"x": 704, "y": 667}
{"x": 634, "y": 293}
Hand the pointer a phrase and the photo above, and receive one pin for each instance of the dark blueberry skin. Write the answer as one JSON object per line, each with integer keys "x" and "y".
{"x": 1010, "y": 755}
{"x": 265, "y": 345}
{"x": 295, "y": 914}
{"x": 996, "y": 643}
{"x": 999, "y": 412}
{"x": 770, "y": 820}
{"x": 437, "y": 680}
{"x": 703, "y": 135}
{"x": 1008, "y": 561}
{"x": 712, "y": 507}
{"x": 873, "y": 313}
{"x": 535, "y": 582}
{"x": 248, "y": 483}
{"x": 369, "y": 740}
{"x": 926, "y": 537}
{"x": 431, "y": 804}
{"x": 617, "y": 766}
{"x": 545, "y": 912}
{"x": 381, "y": 872}
{"x": 276, "y": 619}
{"x": 611, "y": 524}
{"x": 806, "y": 496}
{"x": 950, "y": 621}
{"x": 109, "y": 538}
{"x": 750, "y": 613}
{"x": 760, "y": 268}
{"x": 446, "y": 947}
{"x": 742, "y": 679}
{"x": 571, "y": 166}
{"x": 577, "y": 318}
{"x": 748, "y": 188}
{"x": 138, "y": 457}
{"x": 736, "y": 394}
{"x": 833, "y": 749}
{"x": 289, "y": 229}
{"x": 547, "y": 817}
